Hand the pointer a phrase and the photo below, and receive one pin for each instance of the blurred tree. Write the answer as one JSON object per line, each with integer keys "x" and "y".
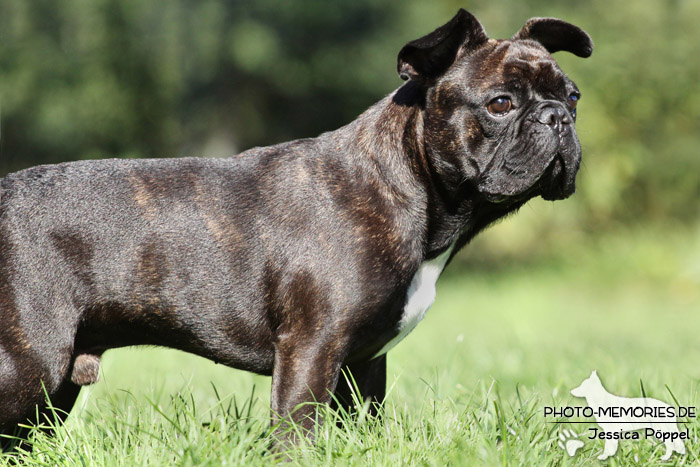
{"x": 85, "y": 79}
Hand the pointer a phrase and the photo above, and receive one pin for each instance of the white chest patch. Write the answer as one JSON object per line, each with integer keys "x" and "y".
{"x": 419, "y": 297}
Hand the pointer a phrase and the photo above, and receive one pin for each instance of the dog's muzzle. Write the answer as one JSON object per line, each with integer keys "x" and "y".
{"x": 559, "y": 178}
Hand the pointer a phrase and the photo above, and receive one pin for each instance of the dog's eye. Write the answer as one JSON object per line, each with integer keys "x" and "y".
{"x": 500, "y": 105}
{"x": 572, "y": 100}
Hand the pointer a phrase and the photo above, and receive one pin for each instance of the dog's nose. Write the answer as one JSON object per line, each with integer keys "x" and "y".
{"x": 554, "y": 116}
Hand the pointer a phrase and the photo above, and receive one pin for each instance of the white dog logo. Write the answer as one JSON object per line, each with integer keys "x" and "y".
{"x": 619, "y": 415}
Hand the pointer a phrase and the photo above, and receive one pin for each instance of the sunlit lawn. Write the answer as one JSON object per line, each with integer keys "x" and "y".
{"x": 468, "y": 387}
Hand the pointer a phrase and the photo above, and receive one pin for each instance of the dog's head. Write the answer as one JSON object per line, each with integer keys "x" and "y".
{"x": 499, "y": 114}
{"x": 588, "y": 386}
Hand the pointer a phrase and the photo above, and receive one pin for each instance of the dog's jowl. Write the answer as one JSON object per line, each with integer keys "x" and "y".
{"x": 296, "y": 260}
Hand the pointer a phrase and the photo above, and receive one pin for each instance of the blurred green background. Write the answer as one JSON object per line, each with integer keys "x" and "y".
{"x": 87, "y": 79}
{"x": 608, "y": 279}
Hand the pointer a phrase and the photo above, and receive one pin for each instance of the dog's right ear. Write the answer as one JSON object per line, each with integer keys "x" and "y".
{"x": 555, "y": 35}
{"x": 430, "y": 56}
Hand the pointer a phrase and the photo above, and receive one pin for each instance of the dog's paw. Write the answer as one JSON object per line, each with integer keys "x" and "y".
{"x": 568, "y": 441}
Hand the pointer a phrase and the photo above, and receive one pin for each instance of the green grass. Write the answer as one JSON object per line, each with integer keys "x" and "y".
{"x": 468, "y": 387}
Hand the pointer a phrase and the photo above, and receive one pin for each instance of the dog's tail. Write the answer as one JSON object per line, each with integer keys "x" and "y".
{"x": 3, "y": 191}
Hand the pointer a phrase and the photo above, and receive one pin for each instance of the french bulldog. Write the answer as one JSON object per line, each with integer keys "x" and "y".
{"x": 297, "y": 260}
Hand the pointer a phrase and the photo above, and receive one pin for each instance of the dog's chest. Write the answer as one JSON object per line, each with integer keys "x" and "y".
{"x": 419, "y": 297}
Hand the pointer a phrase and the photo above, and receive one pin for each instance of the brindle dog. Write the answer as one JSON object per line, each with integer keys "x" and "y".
{"x": 296, "y": 260}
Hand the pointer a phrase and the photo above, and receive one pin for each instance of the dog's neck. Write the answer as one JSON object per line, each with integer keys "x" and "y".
{"x": 591, "y": 401}
{"x": 388, "y": 139}
{"x": 596, "y": 394}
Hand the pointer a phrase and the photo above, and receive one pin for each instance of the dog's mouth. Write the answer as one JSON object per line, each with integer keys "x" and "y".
{"x": 557, "y": 181}
{"x": 496, "y": 198}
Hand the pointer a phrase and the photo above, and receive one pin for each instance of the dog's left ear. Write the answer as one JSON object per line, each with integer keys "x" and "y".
{"x": 430, "y": 56}
{"x": 555, "y": 35}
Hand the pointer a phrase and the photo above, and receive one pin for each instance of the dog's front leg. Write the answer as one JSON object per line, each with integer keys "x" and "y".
{"x": 305, "y": 374}
{"x": 369, "y": 378}
{"x": 609, "y": 449}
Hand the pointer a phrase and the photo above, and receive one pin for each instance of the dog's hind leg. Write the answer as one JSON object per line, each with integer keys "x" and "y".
{"x": 679, "y": 446}
{"x": 47, "y": 414}
{"x": 676, "y": 445}
{"x": 31, "y": 370}
{"x": 25, "y": 381}
{"x": 669, "y": 450}
{"x": 20, "y": 382}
